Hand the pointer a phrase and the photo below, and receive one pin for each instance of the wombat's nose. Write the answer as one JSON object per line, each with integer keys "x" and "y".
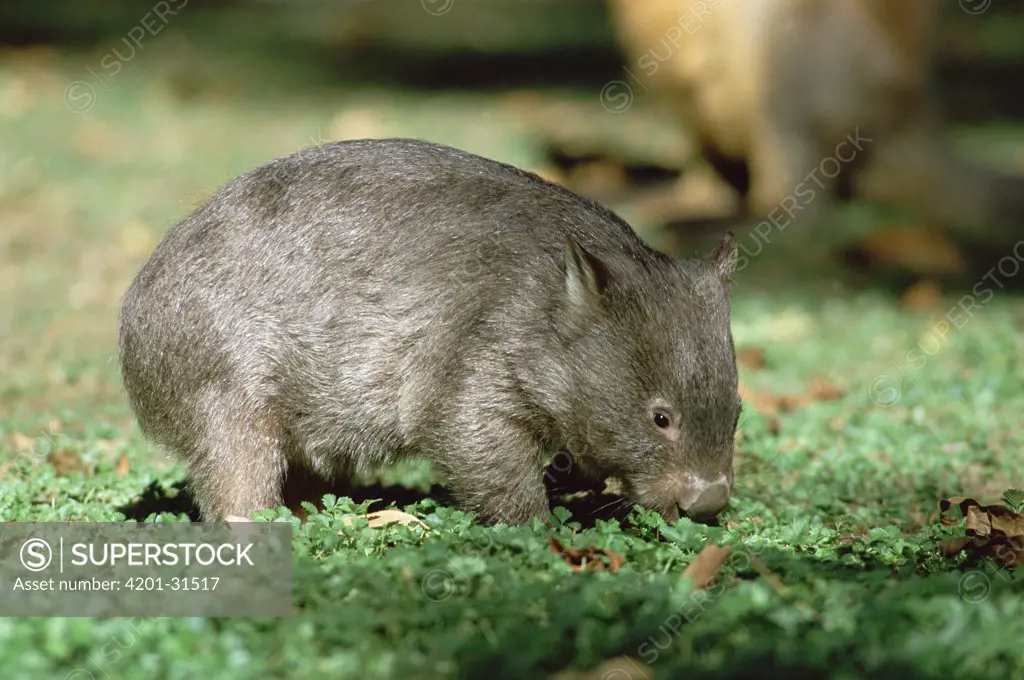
{"x": 704, "y": 504}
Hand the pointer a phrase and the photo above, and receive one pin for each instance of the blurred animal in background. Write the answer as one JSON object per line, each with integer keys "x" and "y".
{"x": 798, "y": 103}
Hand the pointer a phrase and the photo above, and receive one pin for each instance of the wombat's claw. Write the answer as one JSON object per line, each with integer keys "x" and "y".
{"x": 236, "y": 518}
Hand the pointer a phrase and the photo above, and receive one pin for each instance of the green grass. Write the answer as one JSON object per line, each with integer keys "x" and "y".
{"x": 835, "y": 570}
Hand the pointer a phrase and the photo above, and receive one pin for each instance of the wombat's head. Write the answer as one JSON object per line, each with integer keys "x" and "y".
{"x": 654, "y": 397}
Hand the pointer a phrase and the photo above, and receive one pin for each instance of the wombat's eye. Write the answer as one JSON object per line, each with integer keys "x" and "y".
{"x": 661, "y": 419}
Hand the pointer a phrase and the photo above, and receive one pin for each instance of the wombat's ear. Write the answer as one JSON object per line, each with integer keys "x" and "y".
{"x": 585, "y": 275}
{"x": 725, "y": 257}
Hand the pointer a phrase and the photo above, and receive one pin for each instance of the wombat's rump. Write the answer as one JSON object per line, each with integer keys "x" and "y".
{"x": 354, "y": 303}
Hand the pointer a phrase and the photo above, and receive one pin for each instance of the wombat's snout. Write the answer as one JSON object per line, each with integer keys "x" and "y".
{"x": 702, "y": 500}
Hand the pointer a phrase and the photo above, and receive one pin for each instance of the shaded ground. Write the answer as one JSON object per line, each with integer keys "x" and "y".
{"x": 837, "y": 498}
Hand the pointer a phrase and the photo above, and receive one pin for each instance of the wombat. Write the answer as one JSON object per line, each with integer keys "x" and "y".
{"x": 799, "y": 102}
{"x": 353, "y": 303}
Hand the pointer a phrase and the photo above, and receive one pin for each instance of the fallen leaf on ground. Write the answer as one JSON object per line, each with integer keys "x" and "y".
{"x": 122, "y": 466}
{"x": 751, "y": 357}
{"x": 704, "y": 569}
{"x": 66, "y": 462}
{"x": 994, "y": 531}
{"x": 768, "y": 403}
{"x": 762, "y": 401}
{"x": 385, "y": 517}
{"x": 587, "y": 559}
{"x": 823, "y": 390}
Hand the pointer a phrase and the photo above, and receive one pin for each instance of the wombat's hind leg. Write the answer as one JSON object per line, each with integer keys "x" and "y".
{"x": 238, "y": 467}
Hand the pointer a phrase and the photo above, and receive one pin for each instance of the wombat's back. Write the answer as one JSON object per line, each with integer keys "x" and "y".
{"x": 386, "y": 202}
{"x": 350, "y": 288}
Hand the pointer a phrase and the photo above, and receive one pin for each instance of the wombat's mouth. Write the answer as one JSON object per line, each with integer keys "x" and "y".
{"x": 697, "y": 499}
{"x": 573, "y": 476}
{"x": 672, "y": 514}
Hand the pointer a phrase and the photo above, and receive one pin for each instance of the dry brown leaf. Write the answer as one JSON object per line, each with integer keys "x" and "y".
{"x": 823, "y": 390}
{"x": 751, "y": 357}
{"x": 983, "y": 520}
{"x": 66, "y": 462}
{"x": 587, "y": 559}
{"x": 1007, "y": 522}
{"x": 385, "y": 517}
{"x": 620, "y": 667}
{"x": 994, "y": 531}
{"x": 977, "y": 522}
{"x": 704, "y": 569}
{"x": 922, "y": 296}
{"x": 762, "y": 401}
{"x": 123, "y": 466}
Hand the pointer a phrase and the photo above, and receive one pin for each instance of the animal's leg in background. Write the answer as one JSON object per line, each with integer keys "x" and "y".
{"x": 790, "y": 183}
